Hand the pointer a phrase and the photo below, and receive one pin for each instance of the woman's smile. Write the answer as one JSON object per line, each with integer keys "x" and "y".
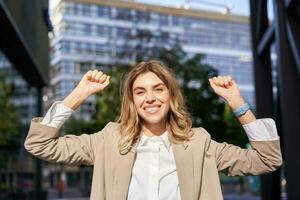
{"x": 152, "y": 109}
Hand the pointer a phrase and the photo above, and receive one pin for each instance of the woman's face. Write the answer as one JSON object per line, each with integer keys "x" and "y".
{"x": 151, "y": 98}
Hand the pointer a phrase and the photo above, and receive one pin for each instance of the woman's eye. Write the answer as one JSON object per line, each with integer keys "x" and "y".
{"x": 159, "y": 89}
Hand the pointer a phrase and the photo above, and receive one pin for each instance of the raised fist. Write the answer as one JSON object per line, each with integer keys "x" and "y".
{"x": 225, "y": 87}
{"x": 92, "y": 82}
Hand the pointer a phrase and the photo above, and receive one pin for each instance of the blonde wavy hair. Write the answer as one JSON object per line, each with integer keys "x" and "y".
{"x": 178, "y": 122}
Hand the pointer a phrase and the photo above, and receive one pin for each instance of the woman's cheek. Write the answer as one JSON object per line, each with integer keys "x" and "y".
{"x": 138, "y": 101}
{"x": 163, "y": 97}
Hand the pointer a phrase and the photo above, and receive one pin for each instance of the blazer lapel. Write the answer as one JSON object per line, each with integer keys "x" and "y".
{"x": 185, "y": 169}
{"x": 123, "y": 174}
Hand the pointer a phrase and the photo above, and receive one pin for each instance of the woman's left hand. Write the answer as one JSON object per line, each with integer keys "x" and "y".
{"x": 225, "y": 87}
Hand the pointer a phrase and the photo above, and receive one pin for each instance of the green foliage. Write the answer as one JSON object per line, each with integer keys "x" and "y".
{"x": 9, "y": 123}
{"x": 108, "y": 103}
{"x": 233, "y": 132}
{"x": 77, "y": 126}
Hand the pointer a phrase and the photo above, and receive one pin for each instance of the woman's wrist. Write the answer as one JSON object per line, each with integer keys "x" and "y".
{"x": 235, "y": 101}
{"x": 75, "y": 99}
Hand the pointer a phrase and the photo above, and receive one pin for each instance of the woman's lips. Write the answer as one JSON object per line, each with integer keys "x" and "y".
{"x": 152, "y": 109}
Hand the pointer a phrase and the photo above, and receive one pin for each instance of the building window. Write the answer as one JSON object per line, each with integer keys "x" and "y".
{"x": 67, "y": 67}
{"x": 66, "y": 47}
{"x": 163, "y": 20}
{"x": 177, "y": 21}
{"x": 104, "y": 12}
{"x": 123, "y": 14}
{"x": 142, "y": 16}
{"x": 103, "y": 30}
{"x": 87, "y": 29}
{"x": 123, "y": 33}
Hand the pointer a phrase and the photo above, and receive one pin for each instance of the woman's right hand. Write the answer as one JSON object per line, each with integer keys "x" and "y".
{"x": 91, "y": 83}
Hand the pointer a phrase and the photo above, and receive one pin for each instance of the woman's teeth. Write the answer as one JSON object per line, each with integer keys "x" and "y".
{"x": 152, "y": 109}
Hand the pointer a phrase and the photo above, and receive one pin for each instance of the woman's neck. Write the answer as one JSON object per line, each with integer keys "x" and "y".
{"x": 153, "y": 129}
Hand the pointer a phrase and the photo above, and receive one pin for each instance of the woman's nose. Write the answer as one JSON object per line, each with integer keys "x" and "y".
{"x": 150, "y": 97}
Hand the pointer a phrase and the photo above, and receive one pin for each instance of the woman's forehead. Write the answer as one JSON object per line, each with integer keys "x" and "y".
{"x": 147, "y": 79}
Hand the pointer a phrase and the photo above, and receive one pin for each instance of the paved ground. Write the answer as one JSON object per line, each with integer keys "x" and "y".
{"x": 239, "y": 197}
{"x": 231, "y": 197}
{"x": 74, "y": 194}
{"x": 68, "y": 194}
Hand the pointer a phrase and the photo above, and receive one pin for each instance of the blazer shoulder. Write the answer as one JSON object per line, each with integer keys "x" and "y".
{"x": 113, "y": 125}
{"x": 201, "y": 133}
{"x": 111, "y": 128}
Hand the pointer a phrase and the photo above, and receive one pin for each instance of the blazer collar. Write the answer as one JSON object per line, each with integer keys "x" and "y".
{"x": 184, "y": 159}
{"x": 123, "y": 174}
{"x": 164, "y": 139}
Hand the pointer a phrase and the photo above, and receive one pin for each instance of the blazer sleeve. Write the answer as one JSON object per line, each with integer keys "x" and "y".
{"x": 263, "y": 157}
{"x": 45, "y": 143}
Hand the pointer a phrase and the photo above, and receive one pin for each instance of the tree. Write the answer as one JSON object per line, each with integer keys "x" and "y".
{"x": 108, "y": 103}
{"x": 10, "y": 123}
{"x": 78, "y": 126}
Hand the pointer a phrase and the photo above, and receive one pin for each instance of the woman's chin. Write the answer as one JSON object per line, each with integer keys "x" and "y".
{"x": 153, "y": 121}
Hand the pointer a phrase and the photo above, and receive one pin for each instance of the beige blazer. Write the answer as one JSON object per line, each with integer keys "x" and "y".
{"x": 197, "y": 162}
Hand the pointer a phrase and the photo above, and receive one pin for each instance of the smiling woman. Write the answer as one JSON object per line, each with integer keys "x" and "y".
{"x": 151, "y": 93}
{"x": 153, "y": 152}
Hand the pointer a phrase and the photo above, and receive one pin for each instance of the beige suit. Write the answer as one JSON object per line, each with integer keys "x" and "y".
{"x": 197, "y": 162}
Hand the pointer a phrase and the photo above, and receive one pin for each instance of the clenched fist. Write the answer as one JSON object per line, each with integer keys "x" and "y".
{"x": 91, "y": 83}
{"x": 225, "y": 87}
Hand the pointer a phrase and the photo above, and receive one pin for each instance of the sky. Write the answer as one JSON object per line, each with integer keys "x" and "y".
{"x": 240, "y": 7}
{"x": 237, "y": 6}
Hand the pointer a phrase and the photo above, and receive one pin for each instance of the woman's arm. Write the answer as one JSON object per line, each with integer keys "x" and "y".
{"x": 264, "y": 156}
{"x": 45, "y": 143}
{"x": 43, "y": 140}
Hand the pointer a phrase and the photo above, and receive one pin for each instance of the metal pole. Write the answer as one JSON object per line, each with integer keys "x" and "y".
{"x": 38, "y": 162}
{"x": 270, "y": 184}
{"x": 288, "y": 86}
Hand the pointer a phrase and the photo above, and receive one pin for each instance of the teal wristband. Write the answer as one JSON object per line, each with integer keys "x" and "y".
{"x": 241, "y": 110}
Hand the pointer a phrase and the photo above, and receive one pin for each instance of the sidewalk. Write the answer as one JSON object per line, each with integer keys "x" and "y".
{"x": 68, "y": 194}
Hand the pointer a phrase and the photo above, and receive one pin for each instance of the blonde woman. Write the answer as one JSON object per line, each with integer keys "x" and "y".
{"x": 153, "y": 152}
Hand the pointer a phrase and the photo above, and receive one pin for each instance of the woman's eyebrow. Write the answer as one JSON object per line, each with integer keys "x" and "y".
{"x": 142, "y": 88}
{"x": 159, "y": 84}
{"x": 138, "y": 88}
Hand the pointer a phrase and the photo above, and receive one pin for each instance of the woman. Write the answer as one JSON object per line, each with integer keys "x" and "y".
{"x": 152, "y": 152}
